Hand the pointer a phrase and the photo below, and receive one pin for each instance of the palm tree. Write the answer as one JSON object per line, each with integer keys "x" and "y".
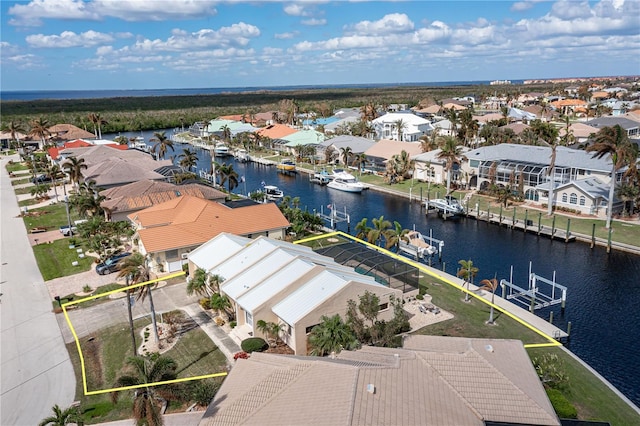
{"x": 346, "y": 154}
{"x": 40, "y": 129}
{"x": 450, "y": 153}
{"x": 331, "y": 335}
{"x": 362, "y": 229}
{"x": 380, "y": 227}
{"x": 162, "y": 142}
{"x": 612, "y": 141}
{"x": 228, "y": 175}
{"x": 97, "y": 121}
{"x": 226, "y": 133}
{"x": 627, "y": 193}
{"x": 467, "y": 272}
{"x": 360, "y": 161}
{"x": 53, "y": 172}
{"x": 270, "y": 329}
{"x": 394, "y": 235}
{"x": 121, "y": 140}
{"x": 199, "y": 283}
{"x": 136, "y": 267}
{"x": 74, "y": 167}
{"x": 148, "y": 370}
{"x": 188, "y": 159}
{"x": 368, "y": 111}
{"x": 400, "y": 126}
{"x": 220, "y": 302}
{"x": 15, "y": 128}
{"x": 490, "y": 285}
{"x": 428, "y": 143}
{"x": 62, "y": 417}
{"x": 548, "y": 133}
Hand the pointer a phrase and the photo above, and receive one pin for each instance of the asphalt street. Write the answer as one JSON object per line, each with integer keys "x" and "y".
{"x": 35, "y": 370}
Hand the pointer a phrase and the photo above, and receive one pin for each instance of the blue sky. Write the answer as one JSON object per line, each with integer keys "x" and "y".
{"x": 157, "y": 44}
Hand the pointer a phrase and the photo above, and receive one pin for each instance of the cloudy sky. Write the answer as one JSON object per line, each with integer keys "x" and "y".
{"x": 156, "y": 44}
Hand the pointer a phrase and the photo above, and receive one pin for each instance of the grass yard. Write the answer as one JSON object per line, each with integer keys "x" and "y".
{"x": 51, "y": 217}
{"x": 16, "y": 167}
{"x": 26, "y": 203}
{"x": 55, "y": 259}
{"x": 105, "y": 356}
{"x": 21, "y": 181}
{"x": 592, "y": 399}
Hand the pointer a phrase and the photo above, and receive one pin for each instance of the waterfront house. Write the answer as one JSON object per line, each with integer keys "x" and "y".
{"x": 292, "y": 142}
{"x": 431, "y": 380}
{"x": 384, "y": 149}
{"x": 585, "y": 196}
{"x": 168, "y": 231}
{"x": 275, "y": 131}
{"x": 284, "y": 283}
{"x": 357, "y": 144}
{"x": 385, "y": 127}
{"x": 581, "y": 132}
{"x": 121, "y": 201}
{"x": 632, "y": 127}
{"x": 428, "y": 168}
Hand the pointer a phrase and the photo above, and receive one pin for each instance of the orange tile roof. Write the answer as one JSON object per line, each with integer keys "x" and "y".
{"x": 189, "y": 221}
{"x": 569, "y": 102}
{"x": 276, "y": 131}
{"x": 234, "y": 117}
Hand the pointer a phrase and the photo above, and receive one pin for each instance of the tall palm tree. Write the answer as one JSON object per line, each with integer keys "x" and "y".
{"x": 40, "y": 129}
{"x": 368, "y": 111}
{"x": 15, "y": 128}
{"x": 74, "y": 166}
{"x": 450, "y": 153}
{"x": 53, "y": 172}
{"x": 380, "y": 228}
{"x": 162, "y": 142}
{"x": 467, "y": 272}
{"x": 226, "y": 133}
{"x": 228, "y": 175}
{"x": 331, "y": 335}
{"x": 360, "y": 161}
{"x": 346, "y": 154}
{"x": 428, "y": 143}
{"x": 490, "y": 285}
{"x": 188, "y": 159}
{"x": 62, "y": 417}
{"x": 614, "y": 142}
{"x": 394, "y": 235}
{"x": 136, "y": 267}
{"x": 97, "y": 122}
{"x": 147, "y": 370}
{"x": 362, "y": 229}
{"x": 400, "y": 126}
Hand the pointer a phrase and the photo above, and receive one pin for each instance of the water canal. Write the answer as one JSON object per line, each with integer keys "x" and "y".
{"x": 603, "y": 289}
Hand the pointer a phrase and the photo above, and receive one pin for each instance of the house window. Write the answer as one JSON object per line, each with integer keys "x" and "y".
{"x": 583, "y": 201}
{"x": 564, "y": 198}
{"x": 248, "y": 318}
{"x": 474, "y": 163}
{"x": 308, "y": 329}
{"x": 573, "y": 199}
{"x": 171, "y": 254}
{"x": 384, "y": 306}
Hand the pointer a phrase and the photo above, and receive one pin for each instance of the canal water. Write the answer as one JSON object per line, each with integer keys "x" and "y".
{"x": 603, "y": 289}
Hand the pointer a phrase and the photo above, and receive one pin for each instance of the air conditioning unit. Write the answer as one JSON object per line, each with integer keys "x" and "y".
{"x": 185, "y": 255}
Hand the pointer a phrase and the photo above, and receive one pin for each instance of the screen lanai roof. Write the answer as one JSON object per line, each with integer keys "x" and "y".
{"x": 316, "y": 291}
{"x": 565, "y": 157}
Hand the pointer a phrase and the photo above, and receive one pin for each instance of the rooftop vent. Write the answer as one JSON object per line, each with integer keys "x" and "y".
{"x": 488, "y": 348}
{"x": 371, "y": 388}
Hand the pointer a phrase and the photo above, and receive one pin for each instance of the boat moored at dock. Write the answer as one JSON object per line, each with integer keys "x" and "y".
{"x": 221, "y": 150}
{"x": 272, "y": 193}
{"x": 321, "y": 178}
{"x": 286, "y": 166}
{"x": 416, "y": 245}
{"x": 344, "y": 181}
{"x": 447, "y": 206}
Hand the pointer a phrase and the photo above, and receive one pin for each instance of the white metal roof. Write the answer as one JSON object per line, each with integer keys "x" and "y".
{"x": 265, "y": 290}
{"x": 217, "y": 250}
{"x": 244, "y": 258}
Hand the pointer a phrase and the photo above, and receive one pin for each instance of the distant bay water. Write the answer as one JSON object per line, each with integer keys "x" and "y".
{"x": 30, "y": 95}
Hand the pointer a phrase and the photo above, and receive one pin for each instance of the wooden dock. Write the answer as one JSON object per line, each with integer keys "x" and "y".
{"x": 530, "y": 227}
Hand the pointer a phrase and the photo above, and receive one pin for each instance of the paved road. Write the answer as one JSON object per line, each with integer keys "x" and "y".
{"x": 36, "y": 372}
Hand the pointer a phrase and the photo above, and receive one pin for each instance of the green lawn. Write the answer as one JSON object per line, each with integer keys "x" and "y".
{"x": 106, "y": 353}
{"x": 16, "y": 167}
{"x": 592, "y": 398}
{"x": 55, "y": 259}
{"x": 21, "y": 181}
{"x": 51, "y": 217}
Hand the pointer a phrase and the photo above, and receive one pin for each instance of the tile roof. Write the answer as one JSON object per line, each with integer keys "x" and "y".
{"x": 69, "y": 132}
{"x": 356, "y": 143}
{"x": 117, "y": 171}
{"x": 188, "y": 221}
{"x": 386, "y": 148}
{"x": 276, "y": 131}
{"x": 303, "y": 137}
{"x": 146, "y": 193}
{"x": 433, "y": 380}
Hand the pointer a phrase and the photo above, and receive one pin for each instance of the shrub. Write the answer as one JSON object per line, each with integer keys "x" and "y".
{"x": 254, "y": 344}
{"x": 551, "y": 371}
{"x": 419, "y": 296}
{"x": 203, "y": 392}
{"x": 219, "y": 321}
{"x": 232, "y": 324}
{"x": 240, "y": 355}
{"x": 564, "y": 409}
{"x": 87, "y": 288}
{"x": 205, "y": 303}
{"x": 185, "y": 269}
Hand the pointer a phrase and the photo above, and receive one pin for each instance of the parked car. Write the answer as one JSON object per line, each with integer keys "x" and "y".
{"x": 64, "y": 230}
{"x": 41, "y": 179}
{"x": 111, "y": 264}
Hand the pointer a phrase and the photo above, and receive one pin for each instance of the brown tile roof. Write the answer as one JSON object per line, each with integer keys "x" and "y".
{"x": 146, "y": 193}
{"x": 568, "y": 102}
{"x": 69, "y": 132}
{"x": 117, "y": 171}
{"x": 276, "y": 131}
{"x": 433, "y": 380}
{"x": 188, "y": 221}
{"x": 386, "y": 148}
{"x": 516, "y": 127}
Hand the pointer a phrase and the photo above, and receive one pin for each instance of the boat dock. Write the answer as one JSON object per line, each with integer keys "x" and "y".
{"x": 530, "y": 226}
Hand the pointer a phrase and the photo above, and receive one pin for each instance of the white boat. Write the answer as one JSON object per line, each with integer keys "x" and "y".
{"x": 346, "y": 182}
{"x": 448, "y": 205}
{"x": 416, "y": 245}
{"x": 321, "y": 178}
{"x": 221, "y": 150}
{"x": 272, "y": 193}
{"x": 242, "y": 155}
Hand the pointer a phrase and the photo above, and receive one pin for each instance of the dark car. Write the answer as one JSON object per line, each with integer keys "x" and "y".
{"x": 41, "y": 179}
{"x": 111, "y": 264}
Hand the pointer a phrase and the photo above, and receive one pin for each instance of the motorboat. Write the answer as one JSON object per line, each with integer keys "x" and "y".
{"x": 286, "y": 166}
{"x": 448, "y": 205}
{"x": 272, "y": 192}
{"x": 242, "y": 155}
{"x": 416, "y": 245}
{"x": 221, "y": 150}
{"x": 344, "y": 181}
{"x": 321, "y": 178}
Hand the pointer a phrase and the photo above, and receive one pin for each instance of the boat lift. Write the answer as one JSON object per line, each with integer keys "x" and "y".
{"x": 335, "y": 216}
{"x": 534, "y": 297}
{"x": 436, "y": 245}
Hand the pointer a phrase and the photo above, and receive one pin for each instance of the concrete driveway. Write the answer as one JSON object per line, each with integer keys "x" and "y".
{"x": 36, "y": 369}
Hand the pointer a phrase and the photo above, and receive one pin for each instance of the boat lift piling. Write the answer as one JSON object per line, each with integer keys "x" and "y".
{"x": 533, "y": 296}
{"x": 335, "y": 216}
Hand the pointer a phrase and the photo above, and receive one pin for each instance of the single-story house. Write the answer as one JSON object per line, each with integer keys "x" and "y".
{"x": 123, "y": 200}
{"x": 384, "y": 149}
{"x": 581, "y": 132}
{"x": 275, "y": 131}
{"x": 385, "y": 127}
{"x": 284, "y": 283}
{"x": 357, "y": 144}
{"x": 431, "y": 380}
{"x": 168, "y": 231}
{"x": 300, "y": 138}
{"x": 69, "y": 132}
{"x": 630, "y": 126}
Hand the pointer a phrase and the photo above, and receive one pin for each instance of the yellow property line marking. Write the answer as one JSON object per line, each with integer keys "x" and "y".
{"x": 77, "y": 340}
{"x": 552, "y": 341}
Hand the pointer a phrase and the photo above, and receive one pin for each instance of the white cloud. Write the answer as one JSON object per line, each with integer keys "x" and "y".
{"x": 571, "y": 10}
{"x": 437, "y": 30}
{"x": 34, "y": 12}
{"x": 69, "y": 39}
{"x": 392, "y": 23}
{"x": 295, "y": 9}
{"x": 286, "y": 36}
{"x": 314, "y": 22}
{"x": 521, "y": 5}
